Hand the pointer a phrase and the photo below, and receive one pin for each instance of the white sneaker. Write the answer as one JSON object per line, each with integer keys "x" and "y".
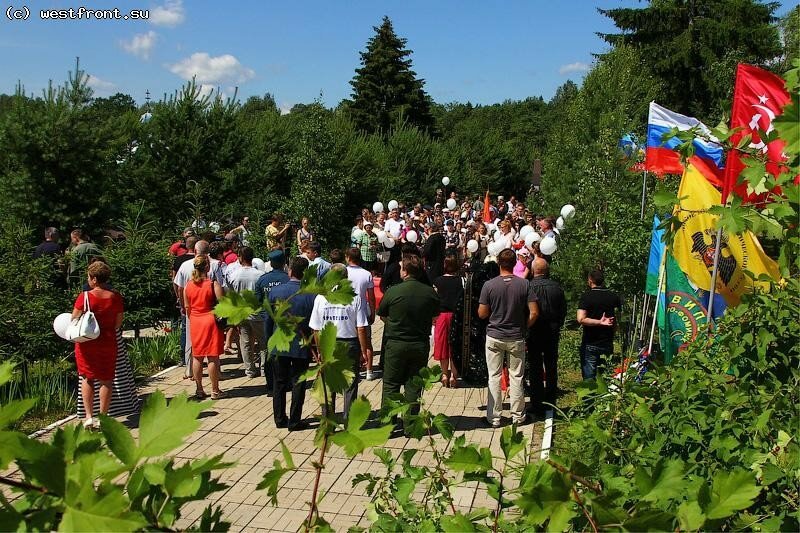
{"x": 89, "y": 423}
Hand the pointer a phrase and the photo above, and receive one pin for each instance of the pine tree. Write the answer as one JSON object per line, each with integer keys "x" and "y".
{"x": 694, "y": 45}
{"x": 385, "y": 89}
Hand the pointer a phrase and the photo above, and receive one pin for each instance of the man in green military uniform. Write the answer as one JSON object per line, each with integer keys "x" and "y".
{"x": 408, "y": 311}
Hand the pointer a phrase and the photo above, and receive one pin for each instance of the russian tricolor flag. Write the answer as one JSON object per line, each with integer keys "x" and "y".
{"x": 661, "y": 157}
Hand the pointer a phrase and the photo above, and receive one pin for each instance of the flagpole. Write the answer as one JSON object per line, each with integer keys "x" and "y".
{"x": 643, "y": 321}
{"x": 639, "y": 327}
{"x": 712, "y": 290}
{"x": 662, "y": 270}
{"x": 644, "y": 193}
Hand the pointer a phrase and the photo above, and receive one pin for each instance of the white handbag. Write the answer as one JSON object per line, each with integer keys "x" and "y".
{"x": 85, "y": 327}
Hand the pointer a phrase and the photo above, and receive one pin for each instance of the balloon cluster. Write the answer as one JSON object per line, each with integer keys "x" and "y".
{"x": 527, "y": 235}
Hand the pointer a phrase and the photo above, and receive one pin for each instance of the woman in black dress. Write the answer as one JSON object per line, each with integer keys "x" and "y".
{"x": 450, "y": 288}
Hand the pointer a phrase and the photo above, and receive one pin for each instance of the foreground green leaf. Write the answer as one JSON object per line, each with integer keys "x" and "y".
{"x": 731, "y": 492}
{"x": 162, "y": 427}
{"x": 354, "y": 440}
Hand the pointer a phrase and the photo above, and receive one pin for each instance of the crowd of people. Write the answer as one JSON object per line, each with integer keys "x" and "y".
{"x": 409, "y": 267}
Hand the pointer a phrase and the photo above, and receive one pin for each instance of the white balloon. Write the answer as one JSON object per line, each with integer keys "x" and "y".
{"x": 380, "y": 234}
{"x": 497, "y": 247}
{"x": 377, "y": 207}
{"x": 557, "y": 231}
{"x": 526, "y": 229}
{"x": 61, "y": 323}
{"x": 490, "y": 228}
{"x": 548, "y": 246}
{"x": 531, "y": 238}
{"x": 388, "y": 243}
{"x": 568, "y": 211}
{"x": 412, "y": 236}
{"x": 472, "y": 246}
{"x": 498, "y": 236}
{"x": 451, "y": 204}
{"x": 445, "y": 181}
{"x": 259, "y": 264}
{"x": 357, "y": 233}
{"x": 560, "y": 223}
{"x": 393, "y": 204}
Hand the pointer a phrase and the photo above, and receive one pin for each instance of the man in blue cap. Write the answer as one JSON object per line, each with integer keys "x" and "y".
{"x": 275, "y": 277}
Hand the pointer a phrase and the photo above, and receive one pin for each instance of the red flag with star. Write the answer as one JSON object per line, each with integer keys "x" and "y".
{"x": 758, "y": 97}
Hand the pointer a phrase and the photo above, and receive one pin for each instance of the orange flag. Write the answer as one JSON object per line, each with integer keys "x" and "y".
{"x": 487, "y": 212}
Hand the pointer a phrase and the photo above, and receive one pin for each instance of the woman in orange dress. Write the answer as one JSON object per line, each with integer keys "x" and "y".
{"x": 200, "y": 296}
{"x": 97, "y": 358}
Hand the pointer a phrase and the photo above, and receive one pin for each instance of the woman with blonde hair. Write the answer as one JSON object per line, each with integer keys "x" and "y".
{"x": 304, "y": 233}
{"x": 200, "y": 296}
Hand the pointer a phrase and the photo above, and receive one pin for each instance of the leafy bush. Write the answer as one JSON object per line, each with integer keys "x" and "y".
{"x": 32, "y": 293}
{"x": 140, "y": 269}
{"x": 722, "y": 417}
{"x": 84, "y": 481}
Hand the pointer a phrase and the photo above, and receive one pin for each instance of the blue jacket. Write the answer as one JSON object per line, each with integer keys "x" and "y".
{"x": 301, "y": 306}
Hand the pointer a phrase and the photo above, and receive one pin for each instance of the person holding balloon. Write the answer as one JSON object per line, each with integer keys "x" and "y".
{"x": 394, "y": 224}
{"x": 482, "y": 238}
{"x": 506, "y": 234}
{"x": 96, "y": 359}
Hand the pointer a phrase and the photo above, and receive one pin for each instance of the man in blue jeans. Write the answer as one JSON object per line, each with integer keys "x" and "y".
{"x": 597, "y": 313}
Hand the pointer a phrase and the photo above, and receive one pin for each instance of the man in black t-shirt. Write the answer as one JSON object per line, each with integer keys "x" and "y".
{"x": 543, "y": 337}
{"x": 49, "y": 246}
{"x": 597, "y": 314}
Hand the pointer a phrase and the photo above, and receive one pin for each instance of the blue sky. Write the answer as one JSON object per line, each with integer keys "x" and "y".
{"x": 469, "y": 50}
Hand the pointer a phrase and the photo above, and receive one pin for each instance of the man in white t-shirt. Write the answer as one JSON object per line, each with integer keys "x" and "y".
{"x": 252, "y": 333}
{"x": 351, "y": 323}
{"x": 393, "y": 225}
{"x": 365, "y": 290}
{"x": 182, "y": 277}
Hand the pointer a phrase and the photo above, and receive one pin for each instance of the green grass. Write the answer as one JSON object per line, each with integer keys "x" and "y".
{"x": 54, "y": 383}
{"x": 51, "y": 383}
{"x": 569, "y": 371}
{"x": 148, "y": 355}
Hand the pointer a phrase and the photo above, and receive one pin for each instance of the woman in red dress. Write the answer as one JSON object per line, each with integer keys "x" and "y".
{"x": 200, "y": 296}
{"x": 97, "y": 358}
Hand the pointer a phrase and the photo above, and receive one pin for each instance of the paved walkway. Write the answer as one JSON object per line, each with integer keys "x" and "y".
{"x": 241, "y": 426}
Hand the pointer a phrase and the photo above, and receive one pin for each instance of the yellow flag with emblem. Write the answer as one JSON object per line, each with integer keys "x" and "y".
{"x": 695, "y": 243}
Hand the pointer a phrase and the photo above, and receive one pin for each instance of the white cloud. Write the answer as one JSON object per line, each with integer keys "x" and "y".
{"x": 98, "y": 84}
{"x": 210, "y": 70}
{"x": 213, "y": 91}
{"x": 141, "y": 44}
{"x": 573, "y": 67}
{"x": 285, "y": 107}
{"x": 170, "y": 14}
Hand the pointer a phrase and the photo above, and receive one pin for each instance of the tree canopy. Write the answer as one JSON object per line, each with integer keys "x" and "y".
{"x": 386, "y": 90}
{"x": 698, "y": 42}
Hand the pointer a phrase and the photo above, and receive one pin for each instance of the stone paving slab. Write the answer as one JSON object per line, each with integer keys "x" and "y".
{"x": 241, "y": 427}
